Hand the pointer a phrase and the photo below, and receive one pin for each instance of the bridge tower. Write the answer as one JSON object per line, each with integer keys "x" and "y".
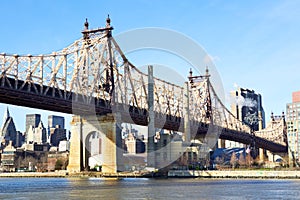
{"x": 151, "y": 158}
{"x": 94, "y": 138}
{"x": 260, "y": 127}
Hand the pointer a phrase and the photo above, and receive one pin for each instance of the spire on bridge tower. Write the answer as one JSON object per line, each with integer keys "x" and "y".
{"x": 108, "y": 21}
{"x": 87, "y": 32}
{"x": 207, "y": 72}
{"x": 86, "y": 28}
{"x": 86, "y": 24}
{"x": 190, "y": 77}
{"x": 191, "y": 72}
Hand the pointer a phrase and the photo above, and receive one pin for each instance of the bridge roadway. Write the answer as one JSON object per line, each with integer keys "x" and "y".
{"x": 17, "y": 93}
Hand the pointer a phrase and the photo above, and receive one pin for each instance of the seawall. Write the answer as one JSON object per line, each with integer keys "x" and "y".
{"x": 235, "y": 174}
{"x": 33, "y": 174}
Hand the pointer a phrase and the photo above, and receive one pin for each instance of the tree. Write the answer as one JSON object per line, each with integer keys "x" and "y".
{"x": 58, "y": 164}
{"x": 248, "y": 160}
{"x": 233, "y": 160}
{"x": 242, "y": 161}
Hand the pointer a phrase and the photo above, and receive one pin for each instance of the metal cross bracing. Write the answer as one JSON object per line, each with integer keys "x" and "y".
{"x": 93, "y": 74}
{"x": 209, "y": 110}
{"x": 275, "y": 130}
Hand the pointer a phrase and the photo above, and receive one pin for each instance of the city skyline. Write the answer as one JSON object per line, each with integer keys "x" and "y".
{"x": 15, "y": 110}
{"x": 254, "y": 45}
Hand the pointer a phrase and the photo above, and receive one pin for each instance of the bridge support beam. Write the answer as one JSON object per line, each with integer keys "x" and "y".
{"x": 110, "y": 151}
{"x": 270, "y": 156}
{"x": 151, "y": 158}
{"x": 187, "y": 126}
{"x": 221, "y": 143}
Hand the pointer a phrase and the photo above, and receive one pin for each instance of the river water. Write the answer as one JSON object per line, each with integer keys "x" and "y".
{"x": 143, "y": 188}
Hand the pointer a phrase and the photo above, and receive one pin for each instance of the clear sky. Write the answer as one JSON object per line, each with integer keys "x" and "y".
{"x": 255, "y": 44}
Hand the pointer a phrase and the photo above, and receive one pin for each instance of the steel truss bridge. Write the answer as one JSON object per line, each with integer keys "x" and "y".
{"x": 94, "y": 75}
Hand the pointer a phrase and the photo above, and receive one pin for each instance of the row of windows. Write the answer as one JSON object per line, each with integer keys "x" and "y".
{"x": 292, "y": 134}
{"x": 293, "y": 143}
{"x": 293, "y": 105}
{"x": 293, "y": 117}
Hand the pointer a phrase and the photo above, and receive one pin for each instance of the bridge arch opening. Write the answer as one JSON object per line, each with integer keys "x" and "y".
{"x": 93, "y": 154}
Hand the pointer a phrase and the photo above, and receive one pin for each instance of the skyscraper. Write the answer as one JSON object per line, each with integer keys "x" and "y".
{"x": 53, "y": 121}
{"x": 56, "y": 129}
{"x": 8, "y": 131}
{"x": 32, "y": 120}
{"x": 36, "y": 134}
{"x": 293, "y": 128}
{"x": 247, "y": 107}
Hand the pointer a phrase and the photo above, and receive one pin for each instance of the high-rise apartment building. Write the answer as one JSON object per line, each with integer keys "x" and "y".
{"x": 247, "y": 106}
{"x": 293, "y": 128}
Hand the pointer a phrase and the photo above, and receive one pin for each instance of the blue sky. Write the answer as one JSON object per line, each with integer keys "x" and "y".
{"x": 255, "y": 44}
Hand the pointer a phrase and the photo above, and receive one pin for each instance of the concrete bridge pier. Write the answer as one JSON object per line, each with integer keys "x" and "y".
{"x": 106, "y": 134}
{"x": 261, "y": 154}
{"x": 76, "y": 148}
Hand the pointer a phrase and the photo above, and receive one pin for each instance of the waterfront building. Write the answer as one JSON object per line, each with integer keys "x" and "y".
{"x": 171, "y": 150}
{"x": 134, "y": 144}
{"x": 293, "y": 128}
{"x": 8, "y": 157}
{"x": 63, "y": 146}
{"x": 34, "y": 147}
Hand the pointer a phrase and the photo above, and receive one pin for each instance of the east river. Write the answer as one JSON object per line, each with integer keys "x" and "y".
{"x": 142, "y": 188}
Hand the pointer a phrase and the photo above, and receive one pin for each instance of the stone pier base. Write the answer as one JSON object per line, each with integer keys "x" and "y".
{"x": 109, "y": 146}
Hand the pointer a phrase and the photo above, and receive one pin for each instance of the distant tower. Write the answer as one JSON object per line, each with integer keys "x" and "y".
{"x": 36, "y": 134}
{"x": 8, "y": 130}
{"x": 53, "y": 121}
{"x": 32, "y": 120}
{"x": 56, "y": 130}
{"x": 247, "y": 107}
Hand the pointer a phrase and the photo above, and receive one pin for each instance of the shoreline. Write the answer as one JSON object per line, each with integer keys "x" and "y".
{"x": 243, "y": 174}
{"x": 207, "y": 174}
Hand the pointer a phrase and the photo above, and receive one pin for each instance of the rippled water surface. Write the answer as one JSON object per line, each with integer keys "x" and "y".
{"x": 140, "y": 188}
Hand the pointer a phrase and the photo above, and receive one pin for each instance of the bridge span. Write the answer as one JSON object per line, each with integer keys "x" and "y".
{"x": 93, "y": 77}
